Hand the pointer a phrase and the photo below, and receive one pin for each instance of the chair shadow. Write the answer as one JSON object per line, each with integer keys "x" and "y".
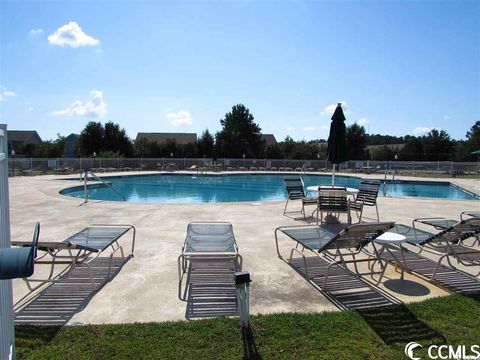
{"x": 398, "y": 325}
{"x": 250, "y": 349}
{"x": 474, "y": 296}
{"x": 57, "y": 303}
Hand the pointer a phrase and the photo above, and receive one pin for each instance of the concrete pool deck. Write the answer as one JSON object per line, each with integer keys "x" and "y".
{"x": 145, "y": 289}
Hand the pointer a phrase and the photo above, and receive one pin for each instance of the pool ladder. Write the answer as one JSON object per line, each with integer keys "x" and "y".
{"x": 97, "y": 178}
{"x": 385, "y": 181}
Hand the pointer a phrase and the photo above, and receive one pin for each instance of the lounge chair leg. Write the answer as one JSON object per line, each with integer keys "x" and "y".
{"x": 439, "y": 263}
{"x": 378, "y": 217}
{"x": 285, "y": 209}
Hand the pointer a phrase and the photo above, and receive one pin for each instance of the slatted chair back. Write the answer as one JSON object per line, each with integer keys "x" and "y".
{"x": 332, "y": 199}
{"x": 456, "y": 233}
{"x": 295, "y": 187}
{"x": 368, "y": 192}
{"x": 358, "y": 235}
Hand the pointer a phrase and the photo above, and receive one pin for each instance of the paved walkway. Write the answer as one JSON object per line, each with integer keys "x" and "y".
{"x": 145, "y": 289}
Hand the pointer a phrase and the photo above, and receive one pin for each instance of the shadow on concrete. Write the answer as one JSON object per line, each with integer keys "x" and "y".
{"x": 398, "y": 325}
{"x": 250, "y": 349}
{"x": 344, "y": 289}
{"x": 57, "y": 303}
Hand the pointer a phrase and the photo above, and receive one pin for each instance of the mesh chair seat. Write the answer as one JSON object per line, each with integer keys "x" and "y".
{"x": 210, "y": 237}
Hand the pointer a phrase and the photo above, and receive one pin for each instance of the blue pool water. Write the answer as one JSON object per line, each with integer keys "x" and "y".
{"x": 181, "y": 188}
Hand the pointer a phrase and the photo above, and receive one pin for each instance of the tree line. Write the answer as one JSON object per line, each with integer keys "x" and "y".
{"x": 241, "y": 136}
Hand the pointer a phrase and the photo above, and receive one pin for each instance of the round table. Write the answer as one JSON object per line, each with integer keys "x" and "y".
{"x": 350, "y": 191}
{"x": 394, "y": 240}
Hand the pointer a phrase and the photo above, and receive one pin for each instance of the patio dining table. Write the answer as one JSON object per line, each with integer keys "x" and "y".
{"x": 350, "y": 190}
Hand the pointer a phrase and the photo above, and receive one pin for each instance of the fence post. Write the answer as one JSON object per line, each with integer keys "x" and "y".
{"x": 451, "y": 169}
{"x": 413, "y": 167}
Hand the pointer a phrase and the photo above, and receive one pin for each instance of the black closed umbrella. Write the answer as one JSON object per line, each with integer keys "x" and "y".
{"x": 337, "y": 149}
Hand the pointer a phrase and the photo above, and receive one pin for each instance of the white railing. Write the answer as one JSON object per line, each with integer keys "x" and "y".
{"x": 6, "y": 307}
{"x": 33, "y": 166}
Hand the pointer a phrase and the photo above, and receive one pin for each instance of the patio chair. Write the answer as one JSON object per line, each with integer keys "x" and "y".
{"x": 296, "y": 191}
{"x": 79, "y": 250}
{"x": 328, "y": 269}
{"x": 333, "y": 199}
{"x": 367, "y": 196}
{"x": 445, "y": 245}
{"x": 209, "y": 249}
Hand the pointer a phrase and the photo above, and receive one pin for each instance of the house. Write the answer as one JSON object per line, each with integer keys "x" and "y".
{"x": 269, "y": 139}
{"x": 17, "y": 139}
{"x": 161, "y": 138}
{"x": 70, "y": 145}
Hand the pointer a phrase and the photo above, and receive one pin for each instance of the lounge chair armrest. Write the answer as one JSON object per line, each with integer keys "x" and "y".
{"x": 422, "y": 219}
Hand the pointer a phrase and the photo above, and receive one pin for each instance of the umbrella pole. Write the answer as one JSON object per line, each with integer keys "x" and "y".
{"x": 333, "y": 175}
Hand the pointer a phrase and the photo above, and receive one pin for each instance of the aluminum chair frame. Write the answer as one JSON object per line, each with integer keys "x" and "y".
{"x": 367, "y": 196}
{"x": 342, "y": 246}
{"x": 187, "y": 256}
{"x": 75, "y": 255}
{"x": 297, "y": 192}
{"x": 446, "y": 244}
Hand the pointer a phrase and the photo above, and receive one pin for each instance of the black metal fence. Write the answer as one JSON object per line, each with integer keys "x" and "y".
{"x": 33, "y": 166}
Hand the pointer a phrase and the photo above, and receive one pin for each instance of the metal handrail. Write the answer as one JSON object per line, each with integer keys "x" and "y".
{"x": 96, "y": 177}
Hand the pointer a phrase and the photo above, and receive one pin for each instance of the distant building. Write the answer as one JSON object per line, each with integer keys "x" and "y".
{"x": 17, "y": 139}
{"x": 161, "y": 138}
{"x": 71, "y": 142}
{"x": 269, "y": 139}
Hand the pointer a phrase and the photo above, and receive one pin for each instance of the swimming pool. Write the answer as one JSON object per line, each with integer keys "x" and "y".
{"x": 183, "y": 188}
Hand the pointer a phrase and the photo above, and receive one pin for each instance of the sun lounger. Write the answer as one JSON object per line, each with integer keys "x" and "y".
{"x": 79, "y": 250}
{"x": 333, "y": 255}
{"x": 441, "y": 223}
{"x": 209, "y": 250}
{"x": 445, "y": 245}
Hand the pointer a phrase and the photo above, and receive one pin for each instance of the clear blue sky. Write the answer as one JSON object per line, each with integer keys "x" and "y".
{"x": 401, "y": 66}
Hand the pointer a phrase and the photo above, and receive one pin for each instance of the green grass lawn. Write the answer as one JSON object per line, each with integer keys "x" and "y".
{"x": 372, "y": 334}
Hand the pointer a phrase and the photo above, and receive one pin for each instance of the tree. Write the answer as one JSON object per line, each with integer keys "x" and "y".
{"x": 356, "y": 140}
{"x": 412, "y": 150}
{"x": 147, "y": 148}
{"x": 273, "y": 151}
{"x": 438, "y": 146}
{"x": 116, "y": 140}
{"x": 108, "y": 139}
{"x": 49, "y": 148}
{"x": 206, "y": 144}
{"x": 91, "y": 139}
{"x": 382, "y": 153}
{"x": 239, "y": 135}
{"x": 473, "y": 141}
